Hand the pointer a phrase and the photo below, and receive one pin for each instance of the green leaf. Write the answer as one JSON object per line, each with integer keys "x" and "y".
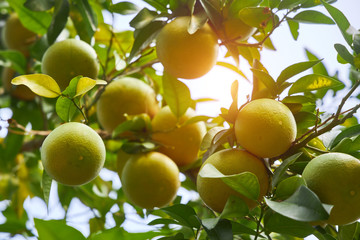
{"x": 288, "y": 186}
{"x": 176, "y": 95}
{"x": 13, "y": 223}
{"x": 183, "y": 214}
{"x": 213, "y": 13}
{"x": 165, "y": 221}
{"x": 66, "y": 109}
{"x": 16, "y": 58}
{"x": 304, "y": 120}
{"x": 59, "y": 20}
{"x": 178, "y": 236}
{"x": 356, "y": 43}
{"x": 239, "y": 228}
{"x": 233, "y": 68}
{"x": 159, "y": 5}
{"x": 302, "y": 206}
{"x": 37, "y": 22}
{"x": 124, "y": 8}
{"x": 294, "y": 28}
{"x": 144, "y": 37}
{"x": 84, "y": 19}
{"x": 318, "y": 68}
{"x": 290, "y": 4}
{"x": 237, "y": 5}
{"x": 348, "y": 231}
{"x": 197, "y": 21}
{"x": 218, "y": 229}
{"x": 256, "y": 16}
{"x": 41, "y": 84}
{"x": 347, "y": 133}
{"x": 143, "y": 18}
{"x": 340, "y": 20}
{"x": 274, "y": 222}
{"x": 39, "y": 5}
{"x": 348, "y": 145}
{"x": 56, "y": 230}
{"x": 12, "y": 146}
{"x": 246, "y": 183}
{"x": 195, "y": 119}
{"x": 313, "y": 82}
{"x": 85, "y": 84}
{"x": 235, "y": 207}
{"x": 344, "y": 53}
{"x": 208, "y": 139}
{"x": 279, "y": 171}
{"x": 117, "y": 233}
{"x": 137, "y": 147}
{"x": 138, "y": 123}
{"x": 265, "y": 78}
{"x": 311, "y": 16}
{"x": 46, "y": 186}
{"x": 295, "y": 69}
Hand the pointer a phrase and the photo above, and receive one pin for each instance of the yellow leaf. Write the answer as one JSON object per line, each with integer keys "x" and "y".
{"x": 41, "y": 84}
{"x": 85, "y": 84}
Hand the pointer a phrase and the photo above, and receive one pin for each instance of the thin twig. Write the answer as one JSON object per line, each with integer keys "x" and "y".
{"x": 13, "y": 124}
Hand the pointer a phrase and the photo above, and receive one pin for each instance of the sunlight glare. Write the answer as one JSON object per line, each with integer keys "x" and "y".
{"x": 216, "y": 85}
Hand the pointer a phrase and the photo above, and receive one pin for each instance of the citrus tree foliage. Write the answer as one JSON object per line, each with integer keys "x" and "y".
{"x": 290, "y": 210}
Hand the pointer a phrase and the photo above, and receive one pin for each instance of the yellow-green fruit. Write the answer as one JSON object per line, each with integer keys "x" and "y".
{"x": 265, "y": 127}
{"x": 185, "y": 55}
{"x": 121, "y": 160}
{"x": 181, "y": 144}
{"x": 125, "y": 96}
{"x": 16, "y": 36}
{"x": 215, "y": 193}
{"x": 335, "y": 178}
{"x": 73, "y": 154}
{"x": 21, "y": 91}
{"x": 150, "y": 180}
{"x": 236, "y": 30}
{"x": 69, "y": 58}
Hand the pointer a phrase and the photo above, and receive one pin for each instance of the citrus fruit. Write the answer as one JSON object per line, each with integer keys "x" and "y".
{"x": 180, "y": 143}
{"x": 121, "y": 159}
{"x": 186, "y": 55}
{"x": 21, "y": 91}
{"x": 69, "y": 58}
{"x": 150, "y": 180}
{"x": 234, "y": 29}
{"x": 215, "y": 193}
{"x": 16, "y": 36}
{"x": 125, "y": 96}
{"x": 265, "y": 127}
{"x": 335, "y": 178}
{"x": 73, "y": 154}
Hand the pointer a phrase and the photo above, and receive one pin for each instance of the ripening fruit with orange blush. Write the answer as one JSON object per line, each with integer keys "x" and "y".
{"x": 265, "y": 127}
{"x": 186, "y": 55}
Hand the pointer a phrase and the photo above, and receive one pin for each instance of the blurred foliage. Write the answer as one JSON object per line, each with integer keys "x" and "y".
{"x": 132, "y": 53}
